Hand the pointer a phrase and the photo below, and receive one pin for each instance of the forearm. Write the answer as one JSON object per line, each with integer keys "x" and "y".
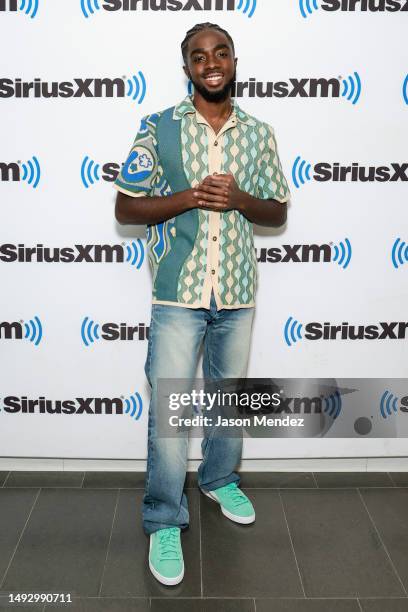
{"x": 150, "y": 210}
{"x": 270, "y": 213}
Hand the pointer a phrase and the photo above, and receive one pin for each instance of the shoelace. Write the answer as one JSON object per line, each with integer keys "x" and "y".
{"x": 168, "y": 541}
{"x": 236, "y": 494}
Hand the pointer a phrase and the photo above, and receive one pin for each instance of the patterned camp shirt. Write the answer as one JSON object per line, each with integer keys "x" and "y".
{"x": 222, "y": 256}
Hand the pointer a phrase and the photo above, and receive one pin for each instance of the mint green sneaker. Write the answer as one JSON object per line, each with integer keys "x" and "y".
{"x": 234, "y": 503}
{"x": 166, "y": 556}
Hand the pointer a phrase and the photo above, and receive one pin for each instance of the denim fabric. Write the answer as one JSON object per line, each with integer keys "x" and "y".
{"x": 176, "y": 334}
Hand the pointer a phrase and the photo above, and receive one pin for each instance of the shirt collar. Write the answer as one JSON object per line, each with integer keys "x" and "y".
{"x": 187, "y": 106}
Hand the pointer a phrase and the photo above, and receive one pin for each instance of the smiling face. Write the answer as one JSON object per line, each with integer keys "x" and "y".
{"x": 211, "y": 65}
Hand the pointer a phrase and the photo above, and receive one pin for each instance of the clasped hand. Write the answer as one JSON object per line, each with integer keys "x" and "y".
{"x": 218, "y": 192}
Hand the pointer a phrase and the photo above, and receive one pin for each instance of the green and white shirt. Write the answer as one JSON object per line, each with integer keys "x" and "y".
{"x": 221, "y": 253}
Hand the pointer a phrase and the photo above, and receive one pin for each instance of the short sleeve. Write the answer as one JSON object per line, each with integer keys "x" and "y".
{"x": 272, "y": 183}
{"x": 138, "y": 173}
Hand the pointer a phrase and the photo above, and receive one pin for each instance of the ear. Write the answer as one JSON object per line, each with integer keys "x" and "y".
{"x": 187, "y": 72}
{"x": 235, "y": 61}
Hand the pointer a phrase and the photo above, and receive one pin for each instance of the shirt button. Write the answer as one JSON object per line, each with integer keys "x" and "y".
{"x": 214, "y": 238}
{"x": 216, "y": 143}
{"x": 212, "y": 271}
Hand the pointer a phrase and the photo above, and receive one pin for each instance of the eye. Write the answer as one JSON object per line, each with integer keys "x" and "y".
{"x": 198, "y": 58}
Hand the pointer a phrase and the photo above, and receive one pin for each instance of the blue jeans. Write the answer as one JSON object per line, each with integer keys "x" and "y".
{"x": 175, "y": 336}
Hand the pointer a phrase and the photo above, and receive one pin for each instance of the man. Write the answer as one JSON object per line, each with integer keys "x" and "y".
{"x": 203, "y": 172}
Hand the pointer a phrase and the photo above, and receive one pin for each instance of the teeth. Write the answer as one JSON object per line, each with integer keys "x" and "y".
{"x": 214, "y": 77}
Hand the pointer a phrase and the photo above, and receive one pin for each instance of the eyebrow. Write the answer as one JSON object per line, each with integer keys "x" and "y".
{"x": 201, "y": 50}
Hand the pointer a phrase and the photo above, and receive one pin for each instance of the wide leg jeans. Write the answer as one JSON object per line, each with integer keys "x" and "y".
{"x": 175, "y": 337}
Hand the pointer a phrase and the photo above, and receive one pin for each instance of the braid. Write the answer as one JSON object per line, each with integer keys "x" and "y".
{"x": 199, "y": 27}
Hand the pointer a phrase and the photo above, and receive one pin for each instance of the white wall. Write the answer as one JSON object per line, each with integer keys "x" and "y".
{"x": 276, "y": 44}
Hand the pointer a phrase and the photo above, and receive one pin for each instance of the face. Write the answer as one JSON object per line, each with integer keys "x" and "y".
{"x": 211, "y": 65}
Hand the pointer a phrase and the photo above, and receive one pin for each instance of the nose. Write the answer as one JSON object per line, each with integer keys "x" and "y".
{"x": 212, "y": 61}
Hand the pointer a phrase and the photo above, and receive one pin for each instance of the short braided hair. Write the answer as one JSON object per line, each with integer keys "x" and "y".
{"x": 199, "y": 27}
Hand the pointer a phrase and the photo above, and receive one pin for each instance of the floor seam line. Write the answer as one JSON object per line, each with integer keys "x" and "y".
{"x": 19, "y": 539}
{"x": 291, "y": 543}
{"x": 199, "y": 533}
{"x": 382, "y": 543}
{"x": 109, "y": 542}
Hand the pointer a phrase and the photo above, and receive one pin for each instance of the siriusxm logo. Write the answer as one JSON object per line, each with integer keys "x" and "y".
{"x": 112, "y": 331}
{"x": 389, "y": 404}
{"x": 20, "y": 330}
{"x": 29, "y": 171}
{"x": 131, "y": 406}
{"x": 324, "y": 171}
{"x": 307, "y": 7}
{"x": 136, "y": 168}
{"x": 132, "y": 253}
{"x": 246, "y": 7}
{"x": 29, "y": 7}
{"x": 405, "y": 89}
{"x": 308, "y": 253}
{"x": 91, "y": 171}
{"x": 399, "y": 253}
{"x": 133, "y": 87}
{"x": 293, "y": 331}
{"x": 348, "y": 88}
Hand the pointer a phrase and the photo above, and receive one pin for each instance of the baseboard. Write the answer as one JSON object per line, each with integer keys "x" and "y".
{"x": 340, "y": 464}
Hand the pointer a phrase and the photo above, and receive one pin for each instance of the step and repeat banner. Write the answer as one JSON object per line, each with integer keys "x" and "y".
{"x": 77, "y": 76}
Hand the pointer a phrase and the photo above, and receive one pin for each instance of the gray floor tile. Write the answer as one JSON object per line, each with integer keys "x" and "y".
{"x": 384, "y": 605}
{"x": 127, "y": 571}
{"x": 400, "y": 478}
{"x": 248, "y": 560}
{"x": 114, "y": 480}
{"x": 277, "y": 480}
{"x": 64, "y": 545}
{"x": 98, "y": 604}
{"x": 15, "y": 506}
{"x": 44, "y": 479}
{"x": 353, "y": 479}
{"x": 203, "y": 605}
{"x": 389, "y": 511}
{"x": 3, "y": 477}
{"x": 307, "y": 605}
{"x": 267, "y": 480}
{"x": 337, "y": 548}
{"x": 191, "y": 480}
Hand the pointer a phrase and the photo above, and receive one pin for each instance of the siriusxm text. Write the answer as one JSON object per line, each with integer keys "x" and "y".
{"x": 297, "y": 253}
{"x": 77, "y": 88}
{"x": 168, "y": 5}
{"x": 390, "y": 6}
{"x": 355, "y": 172}
{"x": 346, "y": 331}
{"x": 79, "y": 253}
{"x": 79, "y": 405}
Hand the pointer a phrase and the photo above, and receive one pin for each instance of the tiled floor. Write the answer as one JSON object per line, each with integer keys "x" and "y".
{"x": 323, "y": 542}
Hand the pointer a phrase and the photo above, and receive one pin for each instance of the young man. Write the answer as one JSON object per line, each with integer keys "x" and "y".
{"x": 199, "y": 175}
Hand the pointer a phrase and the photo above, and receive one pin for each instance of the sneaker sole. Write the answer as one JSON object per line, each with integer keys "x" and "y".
{"x": 164, "y": 579}
{"x": 243, "y": 520}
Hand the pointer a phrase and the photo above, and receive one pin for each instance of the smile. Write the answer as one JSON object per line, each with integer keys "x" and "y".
{"x": 214, "y": 79}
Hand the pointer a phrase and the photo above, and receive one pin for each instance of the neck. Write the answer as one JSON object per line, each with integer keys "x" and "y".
{"x": 212, "y": 110}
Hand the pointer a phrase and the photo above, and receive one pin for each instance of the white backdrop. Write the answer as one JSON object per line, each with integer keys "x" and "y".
{"x": 45, "y": 141}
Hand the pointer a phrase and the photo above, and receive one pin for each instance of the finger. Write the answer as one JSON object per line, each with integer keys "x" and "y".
{"x": 221, "y": 179}
{"x": 218, "y": 190}
{"x": 226, "y": 177}
{"x": 214, "y": 180}
{"x": 210, "y": 197}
